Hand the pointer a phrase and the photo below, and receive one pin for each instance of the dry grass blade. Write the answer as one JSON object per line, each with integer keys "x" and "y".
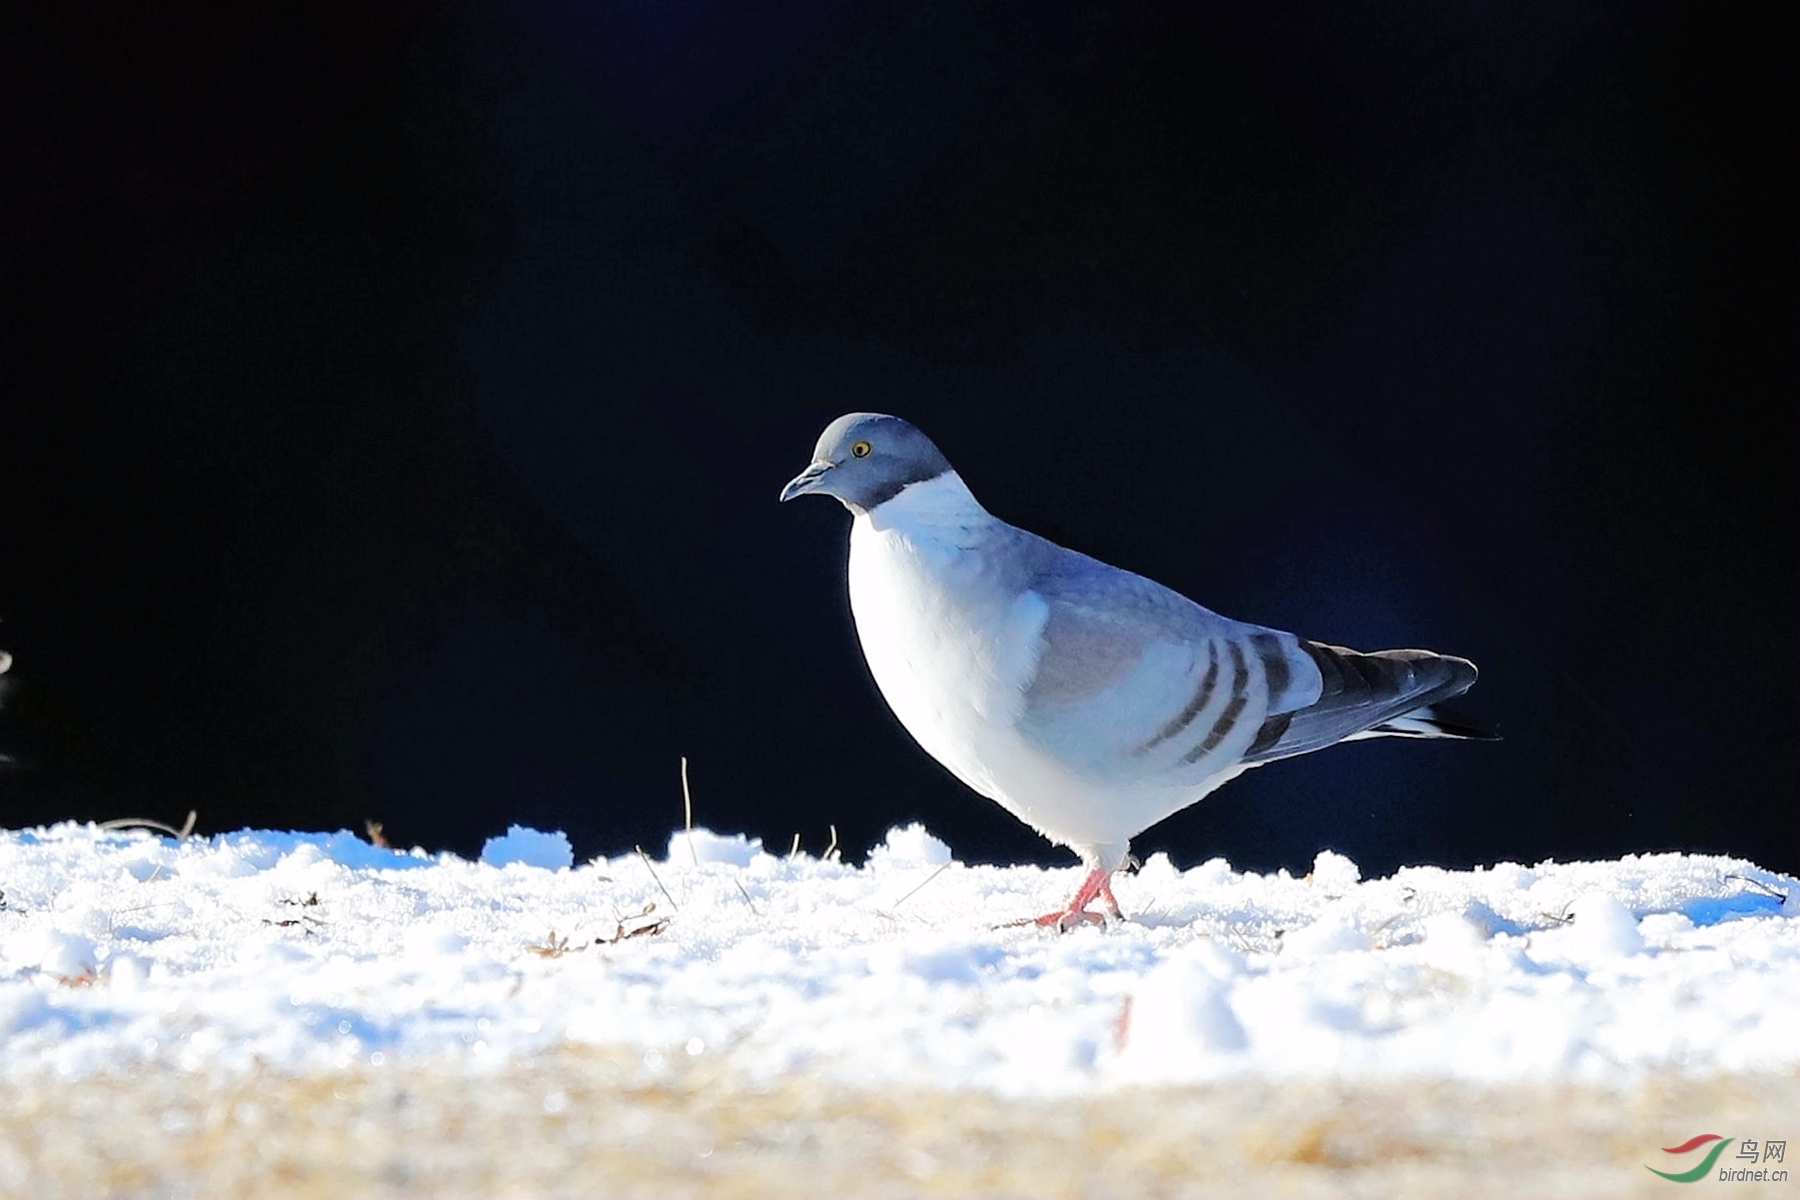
{"x": 186, "y": 829}
{"x": 650, "y": 927}
{"x": 1762, "y": 887}
{"x": 654, "y": 876}
{"x": 555, "y": 946}
{"x": 687, "y": 806}
{"x": 917, "y": 888}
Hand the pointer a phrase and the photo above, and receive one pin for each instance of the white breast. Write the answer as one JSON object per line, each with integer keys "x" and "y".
{"x": 949, "y": 648}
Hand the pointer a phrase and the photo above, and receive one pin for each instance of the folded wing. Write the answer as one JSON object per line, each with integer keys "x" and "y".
{"x": 1133, "y": 682}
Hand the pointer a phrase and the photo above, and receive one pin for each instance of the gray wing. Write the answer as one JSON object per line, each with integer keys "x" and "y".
{"x": 1133, "y": 682}
{"x": 1389, "y": 692}
{"x": 1137, "y": 683}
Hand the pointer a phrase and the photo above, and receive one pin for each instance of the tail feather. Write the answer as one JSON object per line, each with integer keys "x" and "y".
{"x": 1432, "y": 721}
{"x": 1388, "y": 693}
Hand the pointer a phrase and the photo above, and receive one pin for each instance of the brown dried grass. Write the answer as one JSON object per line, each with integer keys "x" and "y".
{"x": 592, "y": 1123}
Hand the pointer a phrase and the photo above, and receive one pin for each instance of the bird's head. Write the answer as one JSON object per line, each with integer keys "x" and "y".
{"x": 863, "y": 459}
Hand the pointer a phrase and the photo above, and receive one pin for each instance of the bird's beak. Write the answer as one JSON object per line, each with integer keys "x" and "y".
{"x": 807, "y": 480}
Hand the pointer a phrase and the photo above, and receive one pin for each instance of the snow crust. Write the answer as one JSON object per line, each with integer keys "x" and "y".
{"x": 310, "y": 951}
{"x": 529, "y": 848}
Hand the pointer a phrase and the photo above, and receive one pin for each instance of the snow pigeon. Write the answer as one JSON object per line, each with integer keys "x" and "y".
{"x": 1087, "y": 701}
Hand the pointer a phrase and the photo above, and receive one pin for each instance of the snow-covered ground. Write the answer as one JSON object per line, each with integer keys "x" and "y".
{"x": 312, "y": 952}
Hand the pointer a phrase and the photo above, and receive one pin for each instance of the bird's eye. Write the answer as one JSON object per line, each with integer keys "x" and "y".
{"x": 860, "y": 449}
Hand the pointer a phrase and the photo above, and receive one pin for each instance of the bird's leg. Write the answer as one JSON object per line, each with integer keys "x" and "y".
{"x": 1112, "y": 903}
{"x": 1097, "y": 884}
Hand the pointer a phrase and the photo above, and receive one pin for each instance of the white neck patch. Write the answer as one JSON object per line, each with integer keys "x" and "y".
{"x": 932, "y": 506}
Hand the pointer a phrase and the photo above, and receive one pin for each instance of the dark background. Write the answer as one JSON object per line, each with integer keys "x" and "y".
{"x": 396, "y": 397}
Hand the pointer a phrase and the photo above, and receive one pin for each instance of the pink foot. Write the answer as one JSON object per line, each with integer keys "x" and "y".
{"x": 1097, "y": 885}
